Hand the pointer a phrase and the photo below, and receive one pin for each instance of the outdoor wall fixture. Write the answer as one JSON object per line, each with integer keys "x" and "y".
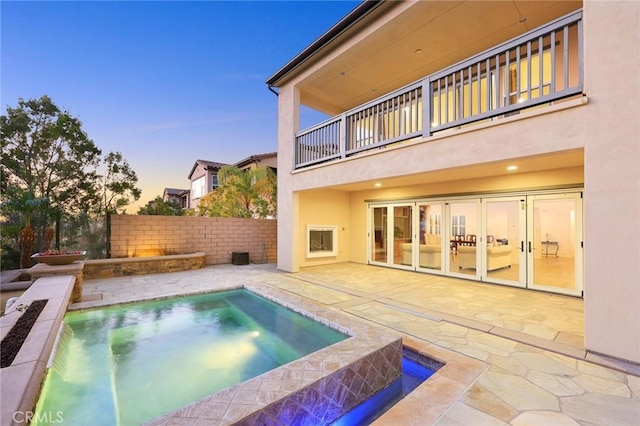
{"x": 322, "y": 241}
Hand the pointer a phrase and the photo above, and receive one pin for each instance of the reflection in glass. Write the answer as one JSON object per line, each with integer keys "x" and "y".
{"x": 554, "y": 242}
{"x": 430, "y": 237}
{"x": 503, "y": 237}
{"x": 402, "y": 232}
{"x": 379, "y": 249}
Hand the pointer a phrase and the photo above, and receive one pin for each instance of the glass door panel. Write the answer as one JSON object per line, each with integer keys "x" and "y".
{"x": 504, "y": 235}
{"x": 379, "y": 241}
{"x": 430, "y": 236}
{"x": 463, "y": 228}
{"x": 402, "y": 235}
{"x": 554, "y": 243}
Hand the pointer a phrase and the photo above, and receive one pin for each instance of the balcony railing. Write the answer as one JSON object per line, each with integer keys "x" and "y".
{"x": 540, "y": 67}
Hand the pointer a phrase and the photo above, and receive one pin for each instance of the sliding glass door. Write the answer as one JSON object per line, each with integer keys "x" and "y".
{"x": 528, "y": 241}
{"x": 554, "y": 246}
{"x": 503, "y": 241}
{"x": 463, "y": 229}
{"x": 432, "y": 247}
{"x": 378, "y": 235}
{"x": 391, "y": 235}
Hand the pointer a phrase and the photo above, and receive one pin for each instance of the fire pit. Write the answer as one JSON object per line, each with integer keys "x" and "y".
{"x": 56, "y": 257}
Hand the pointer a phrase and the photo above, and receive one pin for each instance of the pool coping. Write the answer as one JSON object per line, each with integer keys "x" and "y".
{"x": 21, "y": 381}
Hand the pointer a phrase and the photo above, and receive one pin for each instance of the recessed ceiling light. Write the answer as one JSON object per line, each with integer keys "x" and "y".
{"x": 377, "y": 184}
{"x": 512, "y": 168}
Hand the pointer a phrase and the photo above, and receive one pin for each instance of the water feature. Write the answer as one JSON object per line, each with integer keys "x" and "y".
{"x": 414, "y": 373}
{"x": 127, "y": 364}
{"x": 60, "y": 364}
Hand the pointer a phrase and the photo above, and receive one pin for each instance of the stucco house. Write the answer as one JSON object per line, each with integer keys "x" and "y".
{"x": 204, "y": 173}
{"x": 491, "y": 141}
{"x": 269, "y": 159}
{"x": 178, "y": 196}
{"x": 204, "y": 179}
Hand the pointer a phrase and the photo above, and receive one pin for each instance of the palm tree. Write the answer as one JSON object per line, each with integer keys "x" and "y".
{"x": 246, "y": 193}
{"x": 23, "y": 202}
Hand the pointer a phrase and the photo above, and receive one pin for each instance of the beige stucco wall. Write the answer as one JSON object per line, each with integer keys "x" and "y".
{"x": 269, "y": 162}
{"x": 324, "y": 207}
{"x": 198, "y": 172}
{"x": 605, "y": 126}
{"x": 288, "y": 229}
{"x": 218, "y": 237}
{"x": 612, "y": 178}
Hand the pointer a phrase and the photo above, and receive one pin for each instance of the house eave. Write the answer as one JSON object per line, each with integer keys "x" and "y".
{"x": 357, "y": 14}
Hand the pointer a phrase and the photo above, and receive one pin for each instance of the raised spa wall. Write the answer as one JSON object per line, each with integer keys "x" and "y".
{"x": 119, "y": 267}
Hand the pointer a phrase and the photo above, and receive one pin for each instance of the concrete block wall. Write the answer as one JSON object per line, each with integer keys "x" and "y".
{"x": 218, "y": 237}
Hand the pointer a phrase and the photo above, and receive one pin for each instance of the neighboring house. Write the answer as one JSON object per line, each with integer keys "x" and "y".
{"x": 269, "y": 160}
{"x": 178, "y": 196}
{"x": 204, "y": 174}
{"x": 204, "y": 179}
{"x": 491, "y": 141}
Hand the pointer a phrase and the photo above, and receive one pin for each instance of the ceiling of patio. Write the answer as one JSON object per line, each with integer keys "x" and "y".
{"x": 426, "y": 37}
{"x": 547, "y": 162}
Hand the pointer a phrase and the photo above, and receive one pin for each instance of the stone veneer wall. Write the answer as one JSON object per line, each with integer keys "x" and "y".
{"x": 218, "y": 237}
{"x": 108, "y": 268}
{"x": 333, "y": 396}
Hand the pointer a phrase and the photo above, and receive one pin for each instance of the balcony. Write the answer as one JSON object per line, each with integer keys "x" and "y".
{"x": 539, "y": 68}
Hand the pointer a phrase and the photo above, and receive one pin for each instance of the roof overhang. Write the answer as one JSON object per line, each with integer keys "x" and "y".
{"x": 382, "y": 46}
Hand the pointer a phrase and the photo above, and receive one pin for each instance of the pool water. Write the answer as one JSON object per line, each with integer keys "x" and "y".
{"x": 128, "y": 364}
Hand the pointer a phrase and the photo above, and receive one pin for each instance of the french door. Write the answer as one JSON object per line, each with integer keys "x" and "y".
{"x": 464, "y": 238}
{"x": 554, "y": 246}
{"x": 391, "y": 235}
{"x": 504, "y": 235}
{"x": 529, "y": 241}
{"x": 431, "y": 247}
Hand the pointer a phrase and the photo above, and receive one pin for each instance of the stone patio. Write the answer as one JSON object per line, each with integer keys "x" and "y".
{"x": 536, "y": 369}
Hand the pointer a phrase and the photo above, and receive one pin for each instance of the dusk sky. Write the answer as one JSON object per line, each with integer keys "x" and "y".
{"x": 165, "y": 83}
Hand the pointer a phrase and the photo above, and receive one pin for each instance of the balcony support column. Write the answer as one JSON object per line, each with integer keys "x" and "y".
{"x": 288, "y": 125}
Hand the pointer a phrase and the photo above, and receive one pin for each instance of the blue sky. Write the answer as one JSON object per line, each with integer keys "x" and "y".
{"x": 165, "y": 83}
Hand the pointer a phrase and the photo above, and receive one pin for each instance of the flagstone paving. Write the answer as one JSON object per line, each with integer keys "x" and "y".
{"x": 531, "y": 342}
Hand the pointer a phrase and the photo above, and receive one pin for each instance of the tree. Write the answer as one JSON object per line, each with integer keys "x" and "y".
{"x": 45, "y": 149}
{"x": 159, "y": 207}
{"x": 242, "y": 193}
{"x": 118, "y": 184}
{"x": 22, "y": 203}
{"x": 46, "y": 152}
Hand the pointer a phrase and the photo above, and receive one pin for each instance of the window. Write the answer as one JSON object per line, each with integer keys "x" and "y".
{"x": 434, "y": 223}
{"x": 198, "y": 187}
{"x": 214, "y": 182}
{"x": 458, "y": 225}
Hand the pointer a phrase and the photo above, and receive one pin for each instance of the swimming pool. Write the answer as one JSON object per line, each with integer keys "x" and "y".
{"x": 131, "y": 363}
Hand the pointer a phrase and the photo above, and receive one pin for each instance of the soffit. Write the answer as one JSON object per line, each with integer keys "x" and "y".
{"x": 546, "y": 162}
{"x": 445, "y": 32}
